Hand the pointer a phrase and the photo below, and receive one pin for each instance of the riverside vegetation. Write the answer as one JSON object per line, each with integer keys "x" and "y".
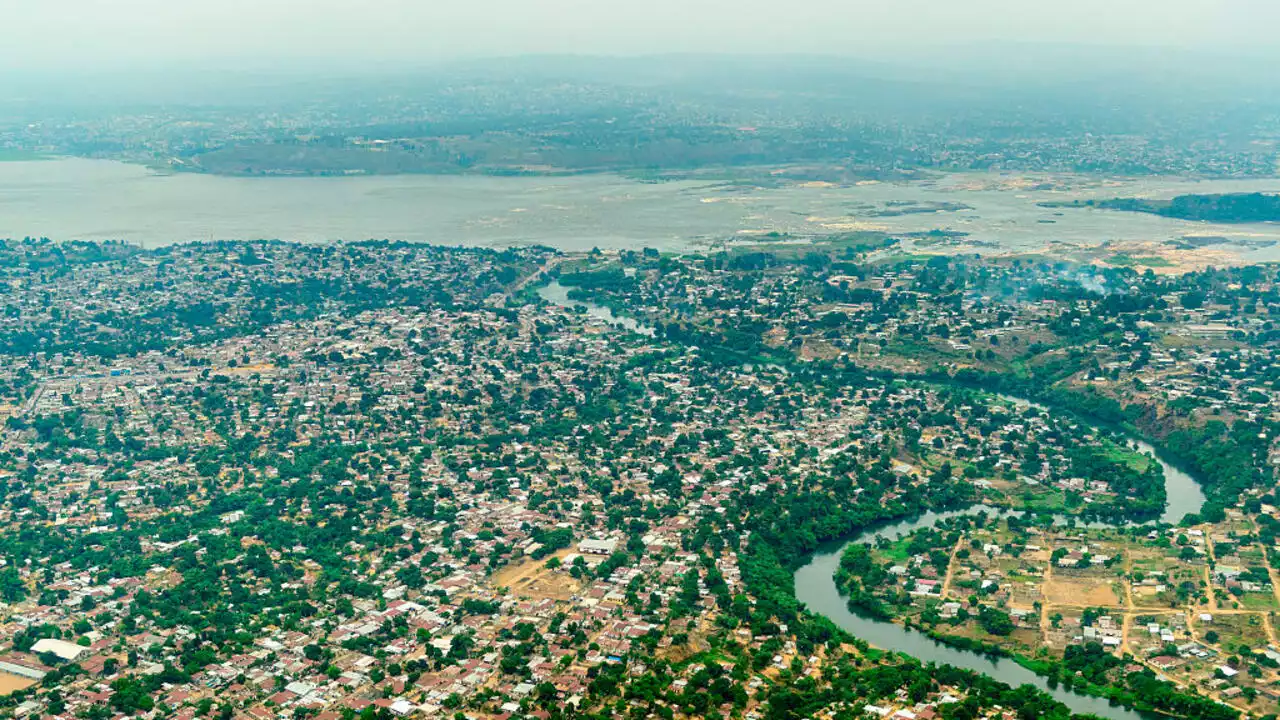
{"x": 377, "y": 478}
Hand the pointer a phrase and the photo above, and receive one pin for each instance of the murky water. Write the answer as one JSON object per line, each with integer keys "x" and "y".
{"x": 816, "y": 588}
{"x": 82, "y": 199}
{"x": 557, "y": 294}
{"x": 86, "y": 199}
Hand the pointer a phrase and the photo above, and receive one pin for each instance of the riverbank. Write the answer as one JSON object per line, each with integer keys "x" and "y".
{"x": 1147, "y": 691}
{"x": 815, "y": 588}
{"x": 77, "y": 199}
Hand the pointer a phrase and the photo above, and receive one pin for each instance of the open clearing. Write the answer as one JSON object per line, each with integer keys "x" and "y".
{"x": 532, "y": 579}
{"x": 10, "y": 683}
{"x": 1080, "y": 593}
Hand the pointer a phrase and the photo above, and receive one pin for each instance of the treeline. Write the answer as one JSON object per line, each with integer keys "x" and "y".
{"x": 1143, "y": 492}
{"x": 1230, "y": 459}
{"x": 788, "y": 528}
{"x": 859, "y": 686}
{"x": 857, "y": 577}
{"x": 1227, "y": 460}
{"x": 1224, "y": 208}
{"x": 1090, "y": 668}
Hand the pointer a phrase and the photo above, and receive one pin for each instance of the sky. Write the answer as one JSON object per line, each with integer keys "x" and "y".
{"x": 44, "y": 35}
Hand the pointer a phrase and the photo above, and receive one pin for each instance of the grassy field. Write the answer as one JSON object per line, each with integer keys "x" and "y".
{"x": 1043, "y": 499}
{"x": 1124, "y": 260}
{"x": 1262, "y": 602}
{"x": 1127, "y": 456}
{"x": 897, "y": 551}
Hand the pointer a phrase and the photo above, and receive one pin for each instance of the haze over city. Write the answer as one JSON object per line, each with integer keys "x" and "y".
{"x": 665, "y": 360}
{"x": 136, "y": 34}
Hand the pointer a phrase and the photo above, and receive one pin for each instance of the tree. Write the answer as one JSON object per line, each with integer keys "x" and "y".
{"x": 995, "y": 622}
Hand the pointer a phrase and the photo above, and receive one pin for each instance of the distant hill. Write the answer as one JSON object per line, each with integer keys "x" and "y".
{"x": 1227, "y": 208}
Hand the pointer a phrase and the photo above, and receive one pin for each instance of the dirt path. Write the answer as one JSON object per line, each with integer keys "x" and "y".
{"x": 1126, "y": 625}
{"x": 951, "y": 568}
{"x": 1271, "y": 572}
{"x": 1128, "y": 580}
{"x": 1045, "y": 625}
{"x": 1143, "y": 610}
{"x": 1269, "y": 628}
{"x": 1044, "y": 601}
{"x": 1216, "y": 697}
{"x": 1208, "y": 579}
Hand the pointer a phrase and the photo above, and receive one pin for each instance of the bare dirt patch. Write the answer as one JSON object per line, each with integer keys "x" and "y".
{"x": 1081, "y": 593}
{"x": 814, "y": 349}
{"x": 1145, "y": 592}
{"x": 10, "y": 683}
{"x": 777, "y": 337}
{"x": 532, "y": 579}
{"x": 696, "y": 643}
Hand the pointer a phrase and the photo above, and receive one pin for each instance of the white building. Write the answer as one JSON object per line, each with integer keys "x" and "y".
{"x": 598, "y": 547}
{"x": 65, "y": 651}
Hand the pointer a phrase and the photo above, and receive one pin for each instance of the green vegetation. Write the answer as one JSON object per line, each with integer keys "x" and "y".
{"x": 1090, "y": 668}
{"x": 1126, "y": 260}
{"x": 1227, "y": 208}
{"x": 264, "y": 438}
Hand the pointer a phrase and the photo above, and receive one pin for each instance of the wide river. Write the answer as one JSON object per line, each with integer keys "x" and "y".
{"x": 816, "y": 587}
{"x": 68, "y": 199}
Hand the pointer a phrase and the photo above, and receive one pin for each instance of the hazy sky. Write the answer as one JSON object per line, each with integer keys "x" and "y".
{"x": 56, "y": 34}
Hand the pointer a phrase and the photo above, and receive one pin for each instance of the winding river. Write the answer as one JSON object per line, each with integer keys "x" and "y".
{"x": 816, "y": 587}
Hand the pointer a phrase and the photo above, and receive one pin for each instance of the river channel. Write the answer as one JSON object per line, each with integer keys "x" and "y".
{"x": 816, "y": 586}
{"x": 557, "y": 294}
{"x": 76, "y": 199}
